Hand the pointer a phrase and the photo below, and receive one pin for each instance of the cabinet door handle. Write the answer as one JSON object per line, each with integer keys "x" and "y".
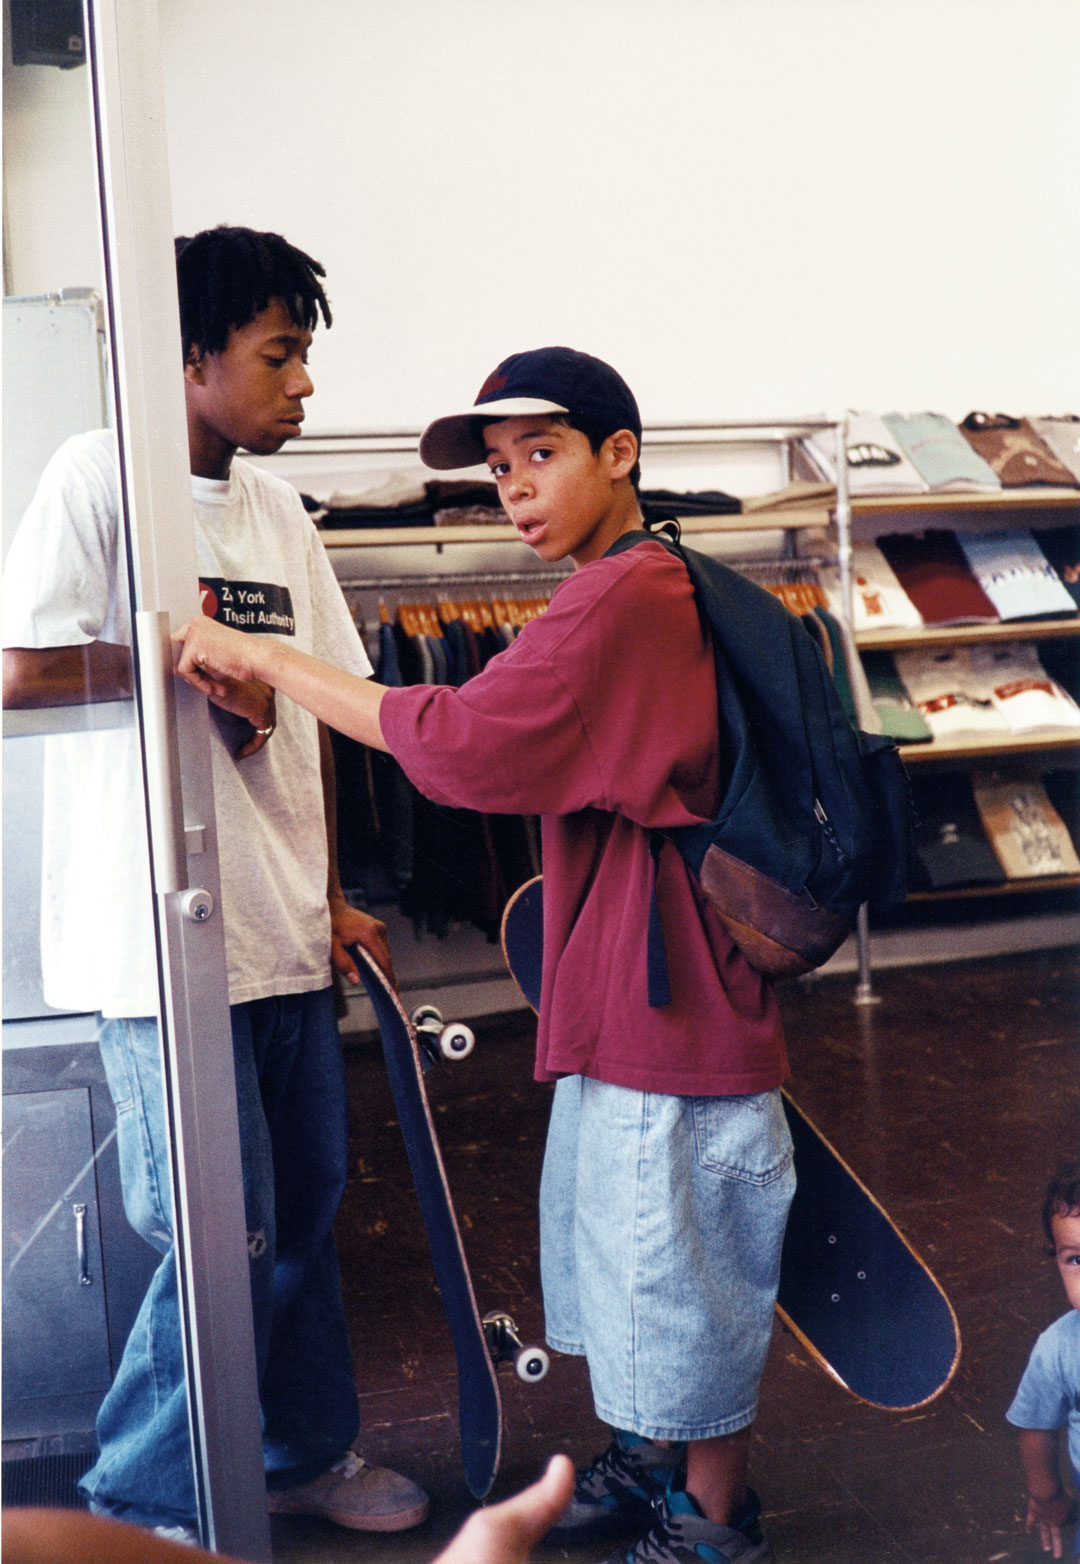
{"x": 80, "y": 1243}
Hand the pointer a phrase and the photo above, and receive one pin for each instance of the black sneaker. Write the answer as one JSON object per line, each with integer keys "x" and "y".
{"x": 681, "y": 1535}
{"x": 618, "y": 1490}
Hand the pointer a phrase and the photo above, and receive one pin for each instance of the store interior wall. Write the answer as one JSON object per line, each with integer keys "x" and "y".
{"x": 753, "y": 209}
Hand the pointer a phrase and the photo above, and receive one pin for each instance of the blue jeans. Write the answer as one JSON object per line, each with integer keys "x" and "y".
{"x": 290, "y": 1087}
{"x": 661, "y": 1224}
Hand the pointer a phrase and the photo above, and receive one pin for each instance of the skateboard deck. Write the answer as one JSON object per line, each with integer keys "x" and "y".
{"x": 852, "y": 1289}
{"x": 479, "y": 1406}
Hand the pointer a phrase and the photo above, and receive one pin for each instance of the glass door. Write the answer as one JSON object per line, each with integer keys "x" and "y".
{"x": 114, "y": 958}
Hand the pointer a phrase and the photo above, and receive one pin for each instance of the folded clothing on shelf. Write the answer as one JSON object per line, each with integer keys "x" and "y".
{"x": 993, "y": 690}
{"x": 878, "y": 601}
{"x": 876, "y": 463}
{"x": 899, "y": 718}
{"x": 951, "y": 849}
{"x": 1016, "y": 575}
{"x": 934, "y": 572}
{"x": 940, "y": 454}
{"x": 1062, "y": 435}
{"x": 949, "y": 693}
{"x": 1015, "y": 451}
{"x": 1026, "y": 832}
{"x": 1061, "y": 545}
{"x": 1012, "y": 676}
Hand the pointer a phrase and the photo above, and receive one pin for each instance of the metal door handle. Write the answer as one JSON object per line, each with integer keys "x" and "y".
{"x": 162, "y": 750}
{"x": 80, "y": 1244}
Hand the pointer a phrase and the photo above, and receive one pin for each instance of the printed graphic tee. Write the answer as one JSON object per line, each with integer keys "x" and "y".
{"x": 262, "y": 568}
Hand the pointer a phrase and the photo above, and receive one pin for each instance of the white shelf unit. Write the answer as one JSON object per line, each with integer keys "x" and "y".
{"x": 870, "y": 518}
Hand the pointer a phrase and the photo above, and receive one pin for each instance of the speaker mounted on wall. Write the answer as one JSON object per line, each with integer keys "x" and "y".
{"x": 47, "y": 32}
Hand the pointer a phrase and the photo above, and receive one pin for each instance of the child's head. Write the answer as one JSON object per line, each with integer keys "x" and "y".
{"x": 1061, "y": 1222}
{"x": 565, "y": 385}
{"x": 227, "y": 276}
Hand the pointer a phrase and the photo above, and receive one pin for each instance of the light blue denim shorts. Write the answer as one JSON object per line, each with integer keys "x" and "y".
{"x": 661, "y": 1224}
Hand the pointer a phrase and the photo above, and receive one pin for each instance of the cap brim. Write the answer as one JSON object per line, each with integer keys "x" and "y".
{"x": 457, "y": 440}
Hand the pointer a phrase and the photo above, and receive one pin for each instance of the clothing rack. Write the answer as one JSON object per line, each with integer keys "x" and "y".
{"x": 450, "y": 583}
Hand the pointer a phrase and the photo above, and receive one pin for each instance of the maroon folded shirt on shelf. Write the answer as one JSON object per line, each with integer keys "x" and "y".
{"x": 933, "y": 571}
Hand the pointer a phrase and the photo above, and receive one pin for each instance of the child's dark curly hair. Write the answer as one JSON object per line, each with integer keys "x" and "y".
{"x": 226, "y": 276}
{"x": 1062, "y": 1198}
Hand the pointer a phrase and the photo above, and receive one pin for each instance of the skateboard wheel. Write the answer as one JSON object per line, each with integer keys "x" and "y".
{"x": 426, "y": 1015}
{"x": 531, "y": 1364}
{"x": 456, "y": 1041}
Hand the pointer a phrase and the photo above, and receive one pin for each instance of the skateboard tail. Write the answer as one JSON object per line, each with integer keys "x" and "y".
{"x": 853, "y": 1290}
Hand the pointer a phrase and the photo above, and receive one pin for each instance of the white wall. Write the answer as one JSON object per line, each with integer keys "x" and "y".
{"x": 752, "y": 207}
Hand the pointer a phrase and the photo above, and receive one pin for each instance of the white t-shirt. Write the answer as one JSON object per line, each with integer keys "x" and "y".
{"x": 262, "y": 567}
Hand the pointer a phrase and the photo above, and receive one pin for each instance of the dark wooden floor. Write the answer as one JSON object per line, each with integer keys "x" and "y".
{"x": 953, "y": 1099}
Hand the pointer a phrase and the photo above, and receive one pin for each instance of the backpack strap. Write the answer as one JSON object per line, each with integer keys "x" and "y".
{"x": 655, "y": 949}
{"x": 666, "y": 531}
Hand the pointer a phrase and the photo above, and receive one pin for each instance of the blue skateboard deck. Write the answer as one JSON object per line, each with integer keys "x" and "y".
{"x": 852, "y": 1289}
{"x": 479, "y": 1406}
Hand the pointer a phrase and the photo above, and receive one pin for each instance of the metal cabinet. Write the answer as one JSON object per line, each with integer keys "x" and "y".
{"x": 74, "y": 1270}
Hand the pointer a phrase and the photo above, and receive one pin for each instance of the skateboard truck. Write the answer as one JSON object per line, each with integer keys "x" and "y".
{"x": 505, "y": 1346}
{"x": 440, "y": 1039}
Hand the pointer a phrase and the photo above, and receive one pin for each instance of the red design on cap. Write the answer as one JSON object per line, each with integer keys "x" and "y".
{"x": 494, "y": 382}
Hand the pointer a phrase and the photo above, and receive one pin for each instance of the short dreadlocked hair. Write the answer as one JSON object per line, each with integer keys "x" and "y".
{"x": 226, "y": 276}
{"x": 1062, "y": 1198}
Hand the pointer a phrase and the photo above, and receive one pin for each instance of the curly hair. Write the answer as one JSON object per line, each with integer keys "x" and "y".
{"x": 226, "y": 276}
{"x": 1062, "y": 1198}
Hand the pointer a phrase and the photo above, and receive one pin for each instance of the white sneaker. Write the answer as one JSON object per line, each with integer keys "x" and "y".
{"x": 352, "y": 1493}
{"x": 184, "y": 1535}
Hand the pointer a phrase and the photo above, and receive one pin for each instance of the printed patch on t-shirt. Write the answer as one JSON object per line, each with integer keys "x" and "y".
{"x": 259, "y": 607}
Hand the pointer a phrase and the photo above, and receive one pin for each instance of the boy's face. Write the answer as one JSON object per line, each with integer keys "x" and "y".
{"x": 558, "y": 492}
{"x": 1065, "y": 1227}
{"x": 251, "y": 394}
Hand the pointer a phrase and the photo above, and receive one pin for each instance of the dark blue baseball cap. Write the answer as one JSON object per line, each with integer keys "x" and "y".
{"x": 545, "y": 380}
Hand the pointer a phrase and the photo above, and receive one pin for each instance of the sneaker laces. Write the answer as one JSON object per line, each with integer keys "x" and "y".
{"x": 609, "y": 1463}
{"x": 656, "y": 1544}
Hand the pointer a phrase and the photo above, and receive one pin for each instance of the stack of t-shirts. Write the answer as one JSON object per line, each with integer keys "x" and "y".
{"x": 658, "y": 503}
{"x": 1061, "y": 545}
{"x": 876, "y": 463}
{"x": 950, "y": 692}
{"x": 1016, "y": 575}
{"x": 1015, "y": 451}
{"x": 1062, "y": 435}
{"x": 470, "y": 516}
{"x": 878, "y": 600}
{"x": 1025, "y": 830}
{"x": 380, "y": 499}
{"x": 403, "y": 499}
{"x": 934, "y": 572}
{"x": 951, "y": 849}
{"x": 1010, "y": 675}
{"x": 898, "y": 717}
{"x": 940, "y": 454}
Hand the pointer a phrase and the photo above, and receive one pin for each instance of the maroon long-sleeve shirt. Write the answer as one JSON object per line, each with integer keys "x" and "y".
{"x": 601, "y": 718}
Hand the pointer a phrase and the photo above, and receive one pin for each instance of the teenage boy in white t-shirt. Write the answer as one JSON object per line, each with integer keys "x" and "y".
{"x": 249, "y": 303}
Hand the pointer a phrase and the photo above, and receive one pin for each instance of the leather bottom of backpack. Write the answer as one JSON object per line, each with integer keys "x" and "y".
{"x": 779, "y": 933}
